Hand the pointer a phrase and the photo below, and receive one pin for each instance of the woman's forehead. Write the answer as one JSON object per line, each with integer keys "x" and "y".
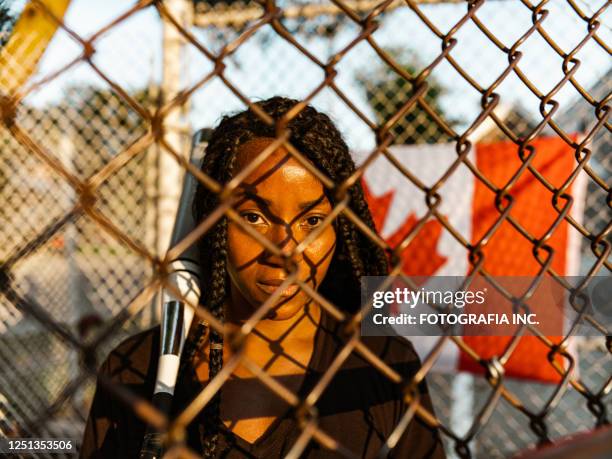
{"x": 279, "y": 172}
{"x": 250, "y": 150}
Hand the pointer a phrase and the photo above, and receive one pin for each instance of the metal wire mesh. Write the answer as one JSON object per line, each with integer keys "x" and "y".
{"x": 94, "y": 159}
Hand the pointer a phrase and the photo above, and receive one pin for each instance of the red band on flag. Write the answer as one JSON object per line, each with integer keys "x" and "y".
{"x": 508, "y": 252}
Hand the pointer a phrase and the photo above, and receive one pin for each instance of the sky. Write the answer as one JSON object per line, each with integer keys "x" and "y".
{"x": 131, "y": 54}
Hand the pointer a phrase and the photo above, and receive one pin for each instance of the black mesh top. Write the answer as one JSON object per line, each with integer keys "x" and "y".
{"x": 359, "y": 409}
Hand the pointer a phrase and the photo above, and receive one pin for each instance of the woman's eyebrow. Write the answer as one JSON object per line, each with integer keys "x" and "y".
{"x": 266, "y": 202}
{"x": 249, "y": 195}
{"x": 310, "y": 204}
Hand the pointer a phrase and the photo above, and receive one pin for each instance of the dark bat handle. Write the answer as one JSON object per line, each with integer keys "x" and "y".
{"x": 152, "y": 444}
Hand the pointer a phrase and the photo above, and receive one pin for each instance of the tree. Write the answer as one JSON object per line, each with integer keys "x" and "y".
{"x": 104, "y": 124}
{"x": 387, "y": 92}
{"x": 6, "y": 23}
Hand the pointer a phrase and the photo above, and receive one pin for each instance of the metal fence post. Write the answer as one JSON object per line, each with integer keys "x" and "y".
{"x": 176, "y": 127}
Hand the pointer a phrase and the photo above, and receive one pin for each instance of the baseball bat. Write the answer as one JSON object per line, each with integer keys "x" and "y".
{"x": 176, "y": 315}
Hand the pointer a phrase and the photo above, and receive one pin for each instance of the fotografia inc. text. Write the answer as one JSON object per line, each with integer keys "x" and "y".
{"x": 454, "y": 319}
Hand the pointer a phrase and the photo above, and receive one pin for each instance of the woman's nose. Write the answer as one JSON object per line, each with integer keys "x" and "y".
{"x": 283, "y": 238}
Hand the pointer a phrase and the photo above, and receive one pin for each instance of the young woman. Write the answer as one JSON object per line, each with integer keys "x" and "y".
{"x": 298, "y": 339}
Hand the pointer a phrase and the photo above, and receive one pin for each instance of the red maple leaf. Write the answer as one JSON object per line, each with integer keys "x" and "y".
{"x": 420, "y": 257}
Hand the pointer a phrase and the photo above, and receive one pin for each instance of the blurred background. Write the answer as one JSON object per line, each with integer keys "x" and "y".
{"x": 74, "y": 104}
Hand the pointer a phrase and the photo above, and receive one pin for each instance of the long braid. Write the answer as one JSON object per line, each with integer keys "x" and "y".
{"x": 372, "y": 255}
{"x": 193, "y": 343}
{"x": 218, "y": 163}
{"x": 213, "y": 300}
{"x": 218, "y": 289}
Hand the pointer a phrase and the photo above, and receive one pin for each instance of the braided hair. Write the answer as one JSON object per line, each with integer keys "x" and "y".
{"x": 316, "y": 137}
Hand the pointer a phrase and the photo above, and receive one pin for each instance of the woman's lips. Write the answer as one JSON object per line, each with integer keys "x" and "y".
{"x": 271, "y": 286}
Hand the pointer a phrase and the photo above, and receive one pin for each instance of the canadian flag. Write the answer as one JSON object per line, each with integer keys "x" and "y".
{"x": 469, "y": 206}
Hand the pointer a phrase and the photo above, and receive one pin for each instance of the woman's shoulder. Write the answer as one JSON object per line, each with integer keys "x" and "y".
{"x": 134, "y": 360}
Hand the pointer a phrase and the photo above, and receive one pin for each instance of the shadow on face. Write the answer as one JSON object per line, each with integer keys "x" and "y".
{"x": 284, "y": 202}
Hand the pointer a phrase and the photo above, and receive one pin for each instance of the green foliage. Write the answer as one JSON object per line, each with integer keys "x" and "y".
{"x": 94, "y": 106}
{"x": 7, "y": 21}
{"x": 104, "y": 122}
{"x": 387, "y": 92}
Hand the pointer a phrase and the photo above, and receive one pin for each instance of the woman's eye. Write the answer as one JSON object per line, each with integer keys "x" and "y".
{"x": 314, "y": 220}
{"x": 252, "y": 217}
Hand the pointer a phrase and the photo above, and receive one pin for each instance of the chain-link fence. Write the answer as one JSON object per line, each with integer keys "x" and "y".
{"x": 85, "y": 146}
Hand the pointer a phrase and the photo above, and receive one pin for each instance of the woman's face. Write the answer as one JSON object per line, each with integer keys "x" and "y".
{"x": 285, "y": 203}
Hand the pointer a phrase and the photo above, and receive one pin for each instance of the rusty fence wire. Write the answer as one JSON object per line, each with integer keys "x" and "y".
{"x": 79, "y": 181}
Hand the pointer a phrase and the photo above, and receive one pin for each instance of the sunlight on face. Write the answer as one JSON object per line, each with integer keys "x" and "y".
{"x": 284, "y": 202}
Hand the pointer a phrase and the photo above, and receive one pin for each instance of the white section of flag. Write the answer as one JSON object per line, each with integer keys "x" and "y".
{"x": 428, "y": 163}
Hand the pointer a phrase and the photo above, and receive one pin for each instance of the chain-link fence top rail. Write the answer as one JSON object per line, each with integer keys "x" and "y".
{"x": 365, "y": 16}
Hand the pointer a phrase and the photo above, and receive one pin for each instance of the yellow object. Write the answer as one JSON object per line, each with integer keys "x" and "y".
{"x": 30, "y": 37}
